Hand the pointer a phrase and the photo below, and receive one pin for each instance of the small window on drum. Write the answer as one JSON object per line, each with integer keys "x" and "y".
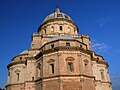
{"x": 67, "y": 44}
{"x": 20, "y": 58}
{"x": 80, "y": 46}
{"x": 32, "y": 78}
{"x": 52, "y": 16}
{"x": 61, "y": 28}
{"x": 45, "y": 31}
{"x": 52, "y": 46}
{"x": 59, "y": 15}
{"x": 66, "y": 17}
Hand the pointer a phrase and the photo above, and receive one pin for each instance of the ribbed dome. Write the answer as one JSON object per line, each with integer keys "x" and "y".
{"x": 57, "y": 15}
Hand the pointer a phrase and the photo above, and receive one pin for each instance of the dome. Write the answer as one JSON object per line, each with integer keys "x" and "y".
{"x": 57, "y": 15}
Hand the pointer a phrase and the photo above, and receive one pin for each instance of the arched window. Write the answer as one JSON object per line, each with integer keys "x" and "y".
{"x": 86, "y": 63}
{"x": 32, "y": 78}
{"x": 45, "y": 31}
{"x": 20, "y": 58}
{"x": 69, "y": 30}
{"x": 52, "y": 46}
{"x": 9, "y": 73}
{"x": 52, "y": 29}
{"x": 61, "y": 28}
{"x": 80, "y": 46}
{"x": 74, "y": 32}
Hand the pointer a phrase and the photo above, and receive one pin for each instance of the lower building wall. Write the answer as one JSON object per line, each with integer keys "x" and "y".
{"x": 39, "y": 85}
{"x": 15, "y": 87}
{"x": 66, "y": 83}
{"x": 88, "y": 84}
{"x": 103, "y": 86}
{"x": 71, "y": 85}
{"x": 106, "y": 86}
{"x": 30, "y": 85}
{"x": 24, "y": 86}
{"x": 50, "y": 85}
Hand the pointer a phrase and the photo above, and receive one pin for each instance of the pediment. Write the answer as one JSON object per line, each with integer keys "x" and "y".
{"x": 50, "y": 61}
{"x": 70, "y": 58}
{"x": 17, "y": 71}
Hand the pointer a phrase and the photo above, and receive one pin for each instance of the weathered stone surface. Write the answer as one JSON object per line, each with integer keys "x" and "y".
{"x": 59, "y": 59}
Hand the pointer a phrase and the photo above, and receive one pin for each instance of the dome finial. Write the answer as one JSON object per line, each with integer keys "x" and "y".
{"x": 57, "y": 10}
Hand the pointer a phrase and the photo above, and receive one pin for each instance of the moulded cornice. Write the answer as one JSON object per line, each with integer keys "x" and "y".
{"x": 16, "y": 62}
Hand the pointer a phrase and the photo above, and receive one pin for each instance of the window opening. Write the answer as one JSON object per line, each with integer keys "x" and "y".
{"x": 51, "y": 68}
{"x": 17, "y": 76}
{"x": 32, "y": 78}
{"x": 59, "y": 15}
{"x": 67, "y": 44}
{"x": 52, "y": 46}
{"x": 20, "y": 58}
{"x": 61, "y": 28}
{"x": 70, "y": 67}
{"x": 66, "y": 16}
{"x": 45, "y": 31}
{"x": 102, "y": 75}
{"x": 80, "y": 46}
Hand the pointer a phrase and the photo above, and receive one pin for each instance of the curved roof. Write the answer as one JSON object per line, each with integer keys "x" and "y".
{"x": 61, "y": 38}
{"x": 24, "y": 52}
{"x": 57, "y": 15}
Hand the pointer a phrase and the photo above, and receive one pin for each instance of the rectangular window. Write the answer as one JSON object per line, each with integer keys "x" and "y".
{"x": 52, "y": 46}
{"x": 67, "y": 44}
{"x": 59, "y": 15}
{"x": 61, "y": 28}
{"x": 17, "y": 76}
{"x": 80, "y": 46}
{"x": 102, "y": 75}
{"x": 32, "y": 78}
{"x": 70, "y": 67}
{"x": 45, "y": 31}
{"x": 20, "y": 58}
{"x": 51, "y": 68}
{"x": 66, "y": 17}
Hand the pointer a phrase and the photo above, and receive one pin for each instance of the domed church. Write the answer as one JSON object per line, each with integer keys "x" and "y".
{"x": 58, "y": 59}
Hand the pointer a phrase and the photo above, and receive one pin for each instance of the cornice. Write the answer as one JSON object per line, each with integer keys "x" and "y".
{"x": 15, "y": 84}
{"x": 70, "y": 75}
{"x": 100, "y": 62}
{"x": 57, "y": 19}
{"x": 16, "y": 62}
{"x": 67, "y": 48}
{"x": 63, "y": 48}
{"x": 102, "y": 81}
{"x": 98, "y": 55}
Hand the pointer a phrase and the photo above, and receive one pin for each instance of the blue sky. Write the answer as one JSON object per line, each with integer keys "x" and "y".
{"x": 100, "y": 19}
